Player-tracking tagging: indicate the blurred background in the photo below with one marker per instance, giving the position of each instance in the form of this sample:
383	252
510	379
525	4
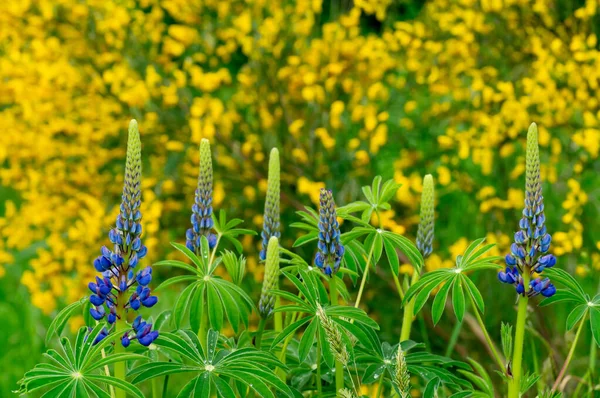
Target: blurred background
345	89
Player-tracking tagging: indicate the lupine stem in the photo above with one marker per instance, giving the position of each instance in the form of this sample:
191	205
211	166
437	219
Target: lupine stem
489	341
398	286
380	387
107	371
156	388
364	277
514	386
259	333
408	312
120	367
339	369
570	355
278	316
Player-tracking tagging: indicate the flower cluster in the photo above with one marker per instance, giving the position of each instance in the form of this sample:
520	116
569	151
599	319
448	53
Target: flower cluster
427	222
110	294
202	211
266	303
271	224
529	252
330	250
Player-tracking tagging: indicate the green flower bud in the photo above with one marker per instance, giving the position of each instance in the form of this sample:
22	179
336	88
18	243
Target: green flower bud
271	224
427	222
271	279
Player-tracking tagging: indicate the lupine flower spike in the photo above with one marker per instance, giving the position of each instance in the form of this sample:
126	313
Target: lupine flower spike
271	281
529	252
111	298
202	222
271	225
427	222
330	250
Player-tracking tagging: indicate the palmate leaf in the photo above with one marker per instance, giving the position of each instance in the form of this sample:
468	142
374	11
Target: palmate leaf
212	372
456	280
579	300
223	298
79	369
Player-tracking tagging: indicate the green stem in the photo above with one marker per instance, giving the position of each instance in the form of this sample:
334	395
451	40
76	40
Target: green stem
488	339
165	385
454	338
120	367
259	333
214	252
364	277
593	351
408	312
278	316
398	286
339	368
514	386
570	355
380	387
156	387
318	359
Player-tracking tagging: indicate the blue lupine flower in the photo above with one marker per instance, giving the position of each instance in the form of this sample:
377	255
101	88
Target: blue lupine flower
142	331
118	266
330	251
529	251
202	222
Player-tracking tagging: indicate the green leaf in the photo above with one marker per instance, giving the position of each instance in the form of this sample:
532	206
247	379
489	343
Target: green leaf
189	254
308	337
215	308
595	324
458	299
58	323
439	302
474	293
182	304
392	255
577	314
176	264
560	275
408	248
562	295
174	280
288	330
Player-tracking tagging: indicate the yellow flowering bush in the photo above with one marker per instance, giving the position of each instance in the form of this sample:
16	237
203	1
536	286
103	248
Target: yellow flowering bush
344	93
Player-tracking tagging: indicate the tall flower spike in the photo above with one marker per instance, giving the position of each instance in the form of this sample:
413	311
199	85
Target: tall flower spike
202	222
271	281
529	252
330	250
110	296
271	223
427	222
401	375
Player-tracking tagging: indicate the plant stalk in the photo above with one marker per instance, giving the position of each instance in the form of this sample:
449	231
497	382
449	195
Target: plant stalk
563	370
259	333
339	368
408	311
380	387
514	386
121	366
365	274
278	316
